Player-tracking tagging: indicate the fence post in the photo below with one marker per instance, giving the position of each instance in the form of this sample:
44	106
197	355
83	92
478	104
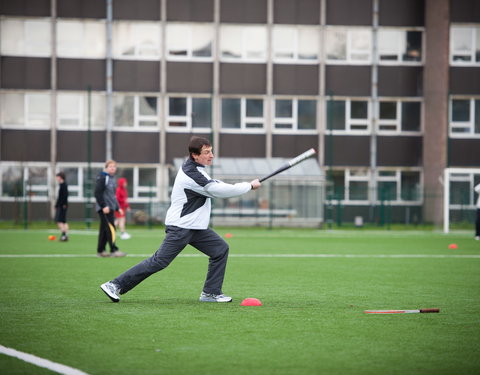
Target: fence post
150	225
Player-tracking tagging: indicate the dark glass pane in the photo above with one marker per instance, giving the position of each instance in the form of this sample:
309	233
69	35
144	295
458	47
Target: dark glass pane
336	114
307	114
358	109
460	110
201	113
231	113
177	106
411	117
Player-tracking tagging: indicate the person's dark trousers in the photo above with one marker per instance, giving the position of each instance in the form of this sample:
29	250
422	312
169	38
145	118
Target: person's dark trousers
106	232
207	241
477	224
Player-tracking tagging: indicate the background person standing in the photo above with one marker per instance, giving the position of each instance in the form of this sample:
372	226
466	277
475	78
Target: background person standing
106	205
61	206
121	215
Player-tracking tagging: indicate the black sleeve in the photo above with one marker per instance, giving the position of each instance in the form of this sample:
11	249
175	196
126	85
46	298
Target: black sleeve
99	189
63	195
62	199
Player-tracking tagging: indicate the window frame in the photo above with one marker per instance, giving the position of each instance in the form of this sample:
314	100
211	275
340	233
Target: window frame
187	118
86	39
25	170
27	96
245	41
137	46
398	121
295	49
191	33
349	177
294	119
399	52
25	39
349	121
244	119
475	34
82	112
349	50
470	125
137	116
467	177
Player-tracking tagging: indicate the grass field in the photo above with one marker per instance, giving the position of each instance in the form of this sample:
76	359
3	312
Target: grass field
314	285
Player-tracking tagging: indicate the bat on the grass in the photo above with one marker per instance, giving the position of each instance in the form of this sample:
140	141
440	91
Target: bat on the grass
291	163
423	311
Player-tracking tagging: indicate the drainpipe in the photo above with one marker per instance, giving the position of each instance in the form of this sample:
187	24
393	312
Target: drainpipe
374	112
109	70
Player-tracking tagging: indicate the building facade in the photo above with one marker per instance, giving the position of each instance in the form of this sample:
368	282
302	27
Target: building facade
387	91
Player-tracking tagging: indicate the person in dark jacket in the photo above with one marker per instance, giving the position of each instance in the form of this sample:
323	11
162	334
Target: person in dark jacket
61	206
106	205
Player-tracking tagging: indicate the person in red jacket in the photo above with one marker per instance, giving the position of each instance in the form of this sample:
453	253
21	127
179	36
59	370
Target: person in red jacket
122	198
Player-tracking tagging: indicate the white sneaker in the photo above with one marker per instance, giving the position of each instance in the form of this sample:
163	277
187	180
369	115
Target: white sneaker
111	290
205	297
477	238
125	236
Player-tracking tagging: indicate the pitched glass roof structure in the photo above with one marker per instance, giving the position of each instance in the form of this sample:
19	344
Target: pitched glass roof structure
250	168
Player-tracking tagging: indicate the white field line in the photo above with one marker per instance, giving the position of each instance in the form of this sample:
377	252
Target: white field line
41	362
472	256
337	233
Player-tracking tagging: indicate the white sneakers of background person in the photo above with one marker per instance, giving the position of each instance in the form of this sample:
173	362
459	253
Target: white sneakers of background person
125	236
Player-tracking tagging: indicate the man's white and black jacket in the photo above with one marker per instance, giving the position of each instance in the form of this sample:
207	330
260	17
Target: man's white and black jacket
191	196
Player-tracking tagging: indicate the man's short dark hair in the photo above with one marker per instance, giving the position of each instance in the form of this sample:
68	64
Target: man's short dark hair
196	144
61	175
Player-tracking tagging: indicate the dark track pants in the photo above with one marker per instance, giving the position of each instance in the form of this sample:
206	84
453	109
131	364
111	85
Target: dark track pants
176	239
106	232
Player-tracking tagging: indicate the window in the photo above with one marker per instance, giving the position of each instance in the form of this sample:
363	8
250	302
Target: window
399	45
410	188
189	113
461	190
295	114
348	45
465	117
337	186
393	185
135	111
81	39
357	184
465	45
136	40
25	109
12	181
398	185
397	116
295	44
245	43
350	185
142	182
25	37
73	110
189	41
348	115
242	114
30	181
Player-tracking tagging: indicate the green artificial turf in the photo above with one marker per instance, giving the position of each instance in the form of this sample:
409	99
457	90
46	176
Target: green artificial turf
314	285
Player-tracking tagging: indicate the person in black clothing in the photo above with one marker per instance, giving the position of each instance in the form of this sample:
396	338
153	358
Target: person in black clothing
106	205
61	206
